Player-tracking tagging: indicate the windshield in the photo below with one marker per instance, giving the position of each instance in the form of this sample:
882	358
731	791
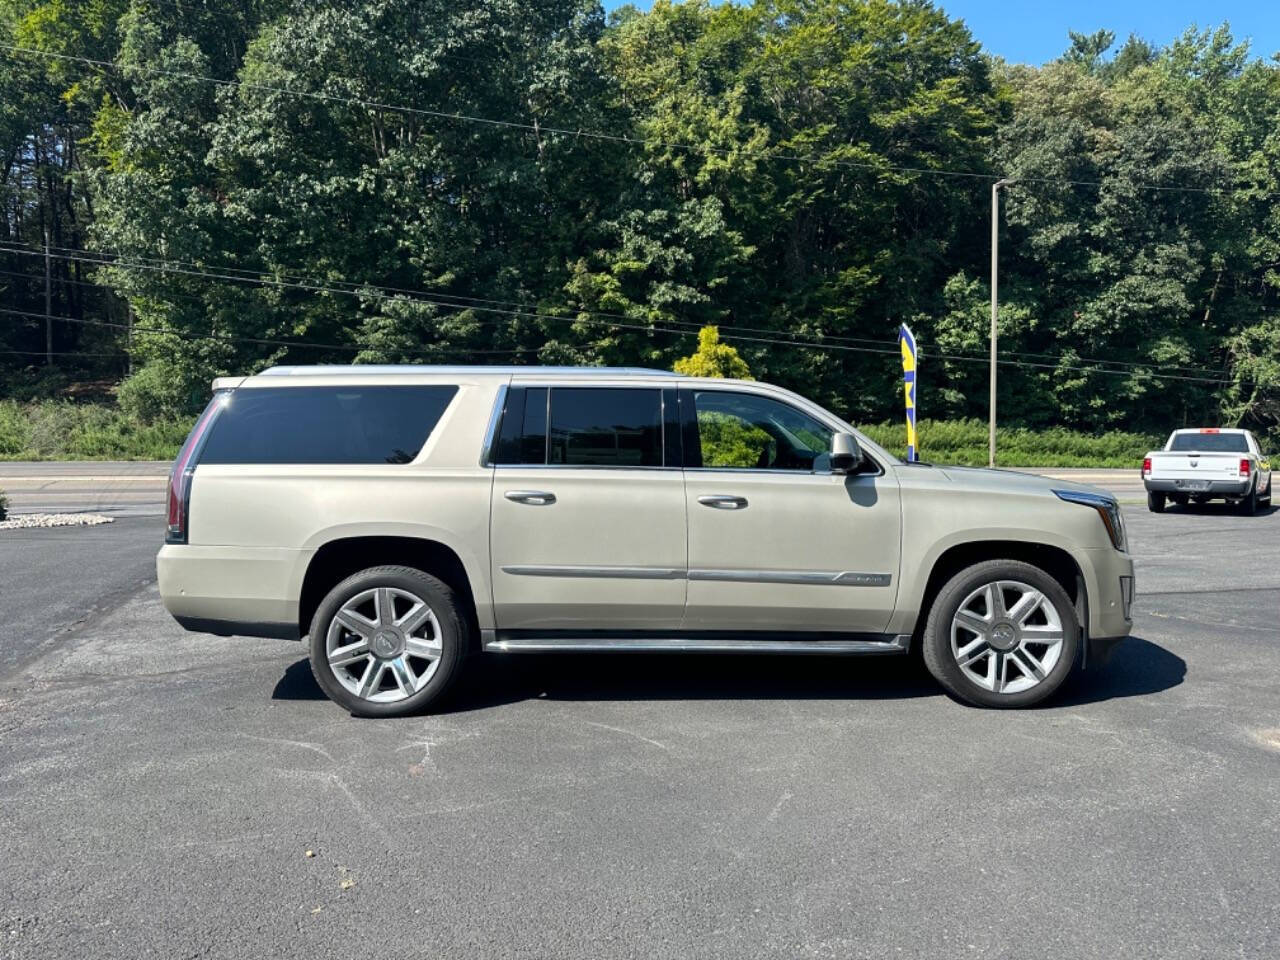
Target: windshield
1210	442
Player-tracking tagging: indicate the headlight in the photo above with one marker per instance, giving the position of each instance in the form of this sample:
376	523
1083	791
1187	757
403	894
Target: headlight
1107	509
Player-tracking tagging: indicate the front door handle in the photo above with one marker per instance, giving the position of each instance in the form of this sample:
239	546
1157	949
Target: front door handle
723	501
535	498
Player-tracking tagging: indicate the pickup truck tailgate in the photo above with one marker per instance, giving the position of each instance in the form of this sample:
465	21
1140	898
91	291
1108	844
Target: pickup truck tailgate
1195	466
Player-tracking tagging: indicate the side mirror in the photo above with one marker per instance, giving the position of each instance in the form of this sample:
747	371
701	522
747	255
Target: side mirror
846	455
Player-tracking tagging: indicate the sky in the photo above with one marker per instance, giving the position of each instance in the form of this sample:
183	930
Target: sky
1034	31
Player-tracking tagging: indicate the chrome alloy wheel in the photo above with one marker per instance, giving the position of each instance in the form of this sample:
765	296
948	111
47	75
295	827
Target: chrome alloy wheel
1006	636
384	644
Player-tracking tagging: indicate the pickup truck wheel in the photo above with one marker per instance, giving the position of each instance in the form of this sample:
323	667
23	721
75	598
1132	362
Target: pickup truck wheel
388	641
1249	503
1001	633
1155	502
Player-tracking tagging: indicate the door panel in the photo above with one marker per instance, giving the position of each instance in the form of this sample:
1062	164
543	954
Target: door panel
806	552
608	552
776	541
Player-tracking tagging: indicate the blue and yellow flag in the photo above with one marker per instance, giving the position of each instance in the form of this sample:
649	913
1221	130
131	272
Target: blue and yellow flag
908	343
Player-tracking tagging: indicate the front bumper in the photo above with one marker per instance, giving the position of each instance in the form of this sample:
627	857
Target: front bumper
1200	488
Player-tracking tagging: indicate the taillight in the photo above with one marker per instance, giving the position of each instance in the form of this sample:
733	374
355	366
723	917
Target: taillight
1146	466
1244	467
179	506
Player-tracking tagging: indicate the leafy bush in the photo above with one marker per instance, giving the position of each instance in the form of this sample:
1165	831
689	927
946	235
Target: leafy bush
61	430
160	390
964	442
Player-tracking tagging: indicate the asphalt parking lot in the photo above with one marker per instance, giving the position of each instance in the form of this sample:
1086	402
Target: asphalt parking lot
173	795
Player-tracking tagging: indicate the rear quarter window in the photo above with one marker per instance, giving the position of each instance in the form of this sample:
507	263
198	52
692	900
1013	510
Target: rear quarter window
338	425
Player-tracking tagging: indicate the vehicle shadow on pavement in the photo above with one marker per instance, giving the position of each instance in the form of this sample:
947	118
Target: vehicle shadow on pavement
1137	668
1214	509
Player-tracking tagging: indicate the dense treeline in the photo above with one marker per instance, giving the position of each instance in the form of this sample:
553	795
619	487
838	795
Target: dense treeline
527	181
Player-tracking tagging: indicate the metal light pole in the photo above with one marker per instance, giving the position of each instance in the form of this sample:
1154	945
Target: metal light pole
995	309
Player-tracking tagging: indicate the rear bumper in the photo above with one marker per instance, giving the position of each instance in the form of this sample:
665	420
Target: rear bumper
1201	488
245	591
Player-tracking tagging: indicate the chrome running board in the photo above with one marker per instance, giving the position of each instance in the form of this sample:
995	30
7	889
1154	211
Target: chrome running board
530	642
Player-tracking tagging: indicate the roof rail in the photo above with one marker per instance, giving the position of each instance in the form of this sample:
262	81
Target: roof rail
394	368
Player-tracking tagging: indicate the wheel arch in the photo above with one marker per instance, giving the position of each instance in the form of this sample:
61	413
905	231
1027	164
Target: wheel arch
339	558
1053	560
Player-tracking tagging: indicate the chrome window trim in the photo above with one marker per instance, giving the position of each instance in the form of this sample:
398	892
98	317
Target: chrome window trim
808	408
787	473
573	466
491	432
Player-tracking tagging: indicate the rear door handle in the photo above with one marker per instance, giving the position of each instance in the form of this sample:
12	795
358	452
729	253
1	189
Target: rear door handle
723	501
535	498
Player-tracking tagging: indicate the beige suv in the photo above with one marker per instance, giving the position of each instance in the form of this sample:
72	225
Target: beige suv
406	517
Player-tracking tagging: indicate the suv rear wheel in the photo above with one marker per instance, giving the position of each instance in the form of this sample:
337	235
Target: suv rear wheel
388	641
1001	633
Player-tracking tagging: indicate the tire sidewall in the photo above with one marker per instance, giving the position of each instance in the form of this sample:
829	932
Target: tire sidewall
937	637
453	634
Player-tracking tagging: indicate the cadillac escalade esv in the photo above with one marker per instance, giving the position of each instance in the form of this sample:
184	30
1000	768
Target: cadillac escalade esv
404	518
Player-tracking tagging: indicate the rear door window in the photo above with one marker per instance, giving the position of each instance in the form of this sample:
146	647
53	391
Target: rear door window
338	425
605	427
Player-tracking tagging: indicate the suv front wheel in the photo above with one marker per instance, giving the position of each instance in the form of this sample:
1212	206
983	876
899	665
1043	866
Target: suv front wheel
1001	633
388	641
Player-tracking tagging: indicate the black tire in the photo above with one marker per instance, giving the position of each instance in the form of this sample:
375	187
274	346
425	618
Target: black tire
1248	505
1155	502
936	644
455	638
1181	499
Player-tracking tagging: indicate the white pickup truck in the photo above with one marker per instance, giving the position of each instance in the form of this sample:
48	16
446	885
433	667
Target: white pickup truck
1208	463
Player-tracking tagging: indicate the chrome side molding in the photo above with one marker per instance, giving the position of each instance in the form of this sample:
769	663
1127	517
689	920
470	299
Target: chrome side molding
594	572
843	578
838	578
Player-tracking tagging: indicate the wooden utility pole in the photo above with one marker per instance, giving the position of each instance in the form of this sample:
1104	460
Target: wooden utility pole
48	301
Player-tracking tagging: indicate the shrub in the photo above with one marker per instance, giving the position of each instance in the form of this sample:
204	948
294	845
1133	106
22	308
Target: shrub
160	391
61	430
964	443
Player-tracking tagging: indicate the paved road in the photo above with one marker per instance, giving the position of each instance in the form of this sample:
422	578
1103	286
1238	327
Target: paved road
113	488
159	792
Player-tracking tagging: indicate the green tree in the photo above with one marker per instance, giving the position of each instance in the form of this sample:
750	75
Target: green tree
713	359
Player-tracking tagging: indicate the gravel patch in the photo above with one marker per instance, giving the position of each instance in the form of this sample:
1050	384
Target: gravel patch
28	520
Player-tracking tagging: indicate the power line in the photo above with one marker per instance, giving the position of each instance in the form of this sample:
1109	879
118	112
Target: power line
373	291
254	276
63	353
539	130
645	328
1008	360
227	338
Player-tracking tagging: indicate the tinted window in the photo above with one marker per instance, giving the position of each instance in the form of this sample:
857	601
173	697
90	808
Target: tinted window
1210	442
524	427
326	424
743	430
608	427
